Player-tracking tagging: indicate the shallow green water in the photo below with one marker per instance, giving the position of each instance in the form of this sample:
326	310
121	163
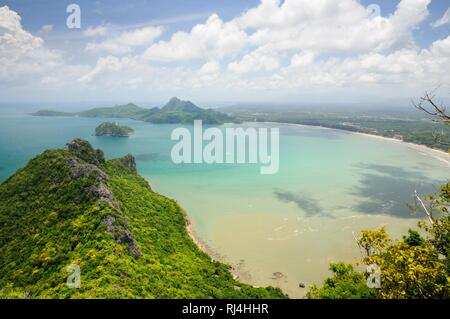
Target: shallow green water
329	185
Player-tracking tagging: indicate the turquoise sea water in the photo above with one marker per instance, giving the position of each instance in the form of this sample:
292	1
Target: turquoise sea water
330	185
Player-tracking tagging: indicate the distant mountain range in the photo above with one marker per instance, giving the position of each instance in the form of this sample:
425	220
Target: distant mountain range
175	111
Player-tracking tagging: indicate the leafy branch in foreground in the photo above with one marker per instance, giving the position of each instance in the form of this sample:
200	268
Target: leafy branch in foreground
413	267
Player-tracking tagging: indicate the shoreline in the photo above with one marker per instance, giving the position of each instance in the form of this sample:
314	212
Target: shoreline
435	153
238	275
244	276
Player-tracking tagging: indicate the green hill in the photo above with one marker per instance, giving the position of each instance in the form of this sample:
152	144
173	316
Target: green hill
112	129
70	206
175	111
178	111
129	110
51	113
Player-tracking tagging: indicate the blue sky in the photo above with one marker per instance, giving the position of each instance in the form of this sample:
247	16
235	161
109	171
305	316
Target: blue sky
224	50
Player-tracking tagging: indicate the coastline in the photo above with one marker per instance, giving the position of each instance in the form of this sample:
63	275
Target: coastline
435	153
438	154
238	274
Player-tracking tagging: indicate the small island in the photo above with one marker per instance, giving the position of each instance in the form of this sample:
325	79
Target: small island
113	129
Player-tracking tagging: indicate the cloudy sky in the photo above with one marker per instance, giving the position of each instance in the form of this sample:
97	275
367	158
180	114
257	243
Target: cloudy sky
224	50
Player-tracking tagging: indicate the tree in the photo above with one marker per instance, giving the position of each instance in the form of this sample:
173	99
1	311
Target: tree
412	267
346	283
427	103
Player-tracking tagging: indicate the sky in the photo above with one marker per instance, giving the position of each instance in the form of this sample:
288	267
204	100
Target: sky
224	50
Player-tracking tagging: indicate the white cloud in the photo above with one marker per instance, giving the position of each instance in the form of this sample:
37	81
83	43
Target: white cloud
209	71
125	42
263	58
214	39
283	47
302	59
47	28
408	68
445	19
100	30
22	55
27	63
329	26
109	63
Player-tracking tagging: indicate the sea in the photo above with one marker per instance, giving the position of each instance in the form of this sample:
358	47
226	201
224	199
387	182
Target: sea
281	230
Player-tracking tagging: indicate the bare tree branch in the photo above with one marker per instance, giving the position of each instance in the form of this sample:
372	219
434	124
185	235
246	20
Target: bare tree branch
426	211
428	105
361	250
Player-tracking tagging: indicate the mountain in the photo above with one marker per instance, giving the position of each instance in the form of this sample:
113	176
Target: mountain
72	207
175	111
130	110
51	113
178	111
113	129
177	105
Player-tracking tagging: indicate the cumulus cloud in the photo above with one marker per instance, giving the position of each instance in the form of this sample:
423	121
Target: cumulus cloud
109	63
324	26
214	39
125	42
302	59
100	30
22	55
406	67
282	46
444	20
263	58
209	71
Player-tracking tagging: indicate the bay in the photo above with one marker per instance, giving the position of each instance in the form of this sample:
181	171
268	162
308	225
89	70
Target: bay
279	229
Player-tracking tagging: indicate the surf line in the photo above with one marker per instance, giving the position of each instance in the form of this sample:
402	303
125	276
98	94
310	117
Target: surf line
237	146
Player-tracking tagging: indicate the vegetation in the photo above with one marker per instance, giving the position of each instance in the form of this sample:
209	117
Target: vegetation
51	113
413	267
113	129
175	111
70	206
346	283
403	126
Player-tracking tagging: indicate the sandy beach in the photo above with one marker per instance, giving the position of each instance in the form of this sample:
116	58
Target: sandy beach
437	154
238	274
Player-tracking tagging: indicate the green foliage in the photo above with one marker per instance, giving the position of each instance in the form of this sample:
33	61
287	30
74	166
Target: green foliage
373	241
69	206
409	128
129	110
346	283
411	272
113	129
413	268
413	238
51	113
